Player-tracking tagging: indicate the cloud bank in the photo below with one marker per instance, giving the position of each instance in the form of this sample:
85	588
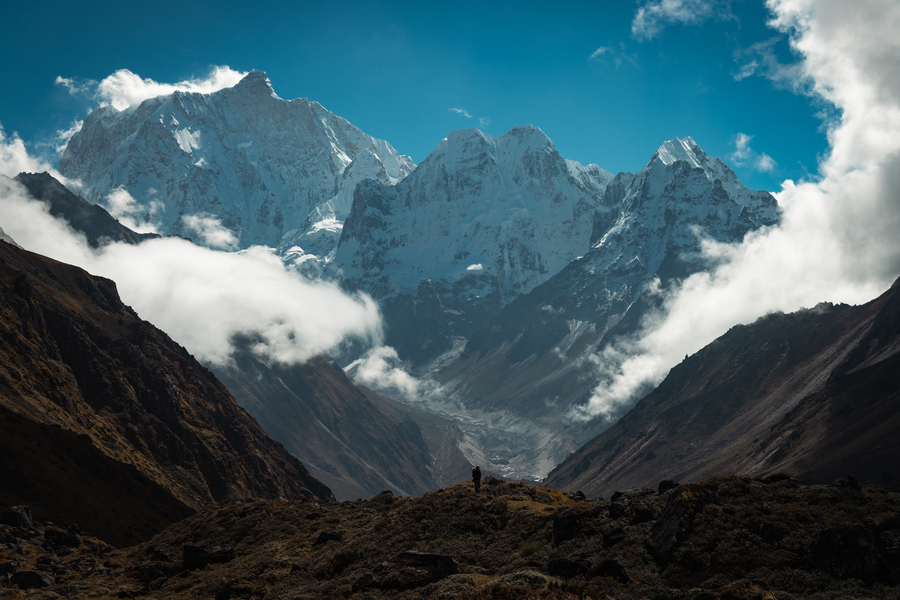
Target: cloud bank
838	240
201	297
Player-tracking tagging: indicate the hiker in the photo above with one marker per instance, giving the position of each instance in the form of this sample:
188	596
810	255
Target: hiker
476	478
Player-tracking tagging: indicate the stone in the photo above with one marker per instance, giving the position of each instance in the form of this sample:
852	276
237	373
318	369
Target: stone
665	485
17	516
847	551
676	522
566	568
612	569
617	510
848	482
571	521
640	513
195	557
408	570
328	536
889	541
27	579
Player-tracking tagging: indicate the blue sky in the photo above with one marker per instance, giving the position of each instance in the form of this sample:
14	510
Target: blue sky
396	69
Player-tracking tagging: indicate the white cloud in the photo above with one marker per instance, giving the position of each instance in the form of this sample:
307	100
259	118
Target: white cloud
483	122
744	156
764	163
461	111
653	16
201	297
138	217
599	52
15	159
124	88
838	240
211	231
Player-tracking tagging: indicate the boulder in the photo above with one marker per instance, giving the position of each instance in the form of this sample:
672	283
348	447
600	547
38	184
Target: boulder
889	542
328	536
612	569
571	522
848	482
640	512
17	516
27	579
567	568
665	485
195	557
676	522
409	570
847	551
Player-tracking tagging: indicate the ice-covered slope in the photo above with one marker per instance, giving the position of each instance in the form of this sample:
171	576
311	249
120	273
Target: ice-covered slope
264	166
483	215
539	355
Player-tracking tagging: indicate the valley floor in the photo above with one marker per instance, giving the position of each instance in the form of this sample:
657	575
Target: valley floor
727	537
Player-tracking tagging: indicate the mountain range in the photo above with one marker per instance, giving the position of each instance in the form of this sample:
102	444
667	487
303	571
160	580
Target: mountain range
502	271
500	267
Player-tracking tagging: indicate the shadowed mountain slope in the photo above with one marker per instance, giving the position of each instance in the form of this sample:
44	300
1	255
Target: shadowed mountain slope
74	356
815	393
91	219
356	442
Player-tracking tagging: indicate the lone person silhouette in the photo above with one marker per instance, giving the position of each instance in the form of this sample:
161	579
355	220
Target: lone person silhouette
476	478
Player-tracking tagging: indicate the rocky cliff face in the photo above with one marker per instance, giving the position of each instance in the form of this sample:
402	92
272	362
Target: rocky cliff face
266	167
815	393
75	357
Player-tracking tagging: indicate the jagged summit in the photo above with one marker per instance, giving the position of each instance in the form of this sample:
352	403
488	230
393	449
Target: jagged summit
267	168
676	149
503	214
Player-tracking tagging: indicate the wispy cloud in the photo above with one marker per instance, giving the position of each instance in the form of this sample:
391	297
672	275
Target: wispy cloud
654	16
211	231
618	55
483	122
132	214
838	237
745	156
461	111
124	88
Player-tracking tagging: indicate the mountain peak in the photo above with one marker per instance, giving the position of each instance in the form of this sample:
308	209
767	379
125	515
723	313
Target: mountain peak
256	81
676	149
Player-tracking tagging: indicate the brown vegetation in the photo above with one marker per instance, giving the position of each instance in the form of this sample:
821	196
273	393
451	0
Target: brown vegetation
735	538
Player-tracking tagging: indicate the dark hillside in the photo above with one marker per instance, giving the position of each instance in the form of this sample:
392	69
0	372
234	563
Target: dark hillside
725	538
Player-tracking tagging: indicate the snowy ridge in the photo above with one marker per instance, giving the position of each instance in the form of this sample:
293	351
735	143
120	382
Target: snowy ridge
680	196
484	215
264	166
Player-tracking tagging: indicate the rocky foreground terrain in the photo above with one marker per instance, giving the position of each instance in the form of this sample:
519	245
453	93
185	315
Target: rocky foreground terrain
727	537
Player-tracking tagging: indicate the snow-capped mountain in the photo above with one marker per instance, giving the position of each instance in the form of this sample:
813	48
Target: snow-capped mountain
272	171
480	221
667	208
482	215
537	357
